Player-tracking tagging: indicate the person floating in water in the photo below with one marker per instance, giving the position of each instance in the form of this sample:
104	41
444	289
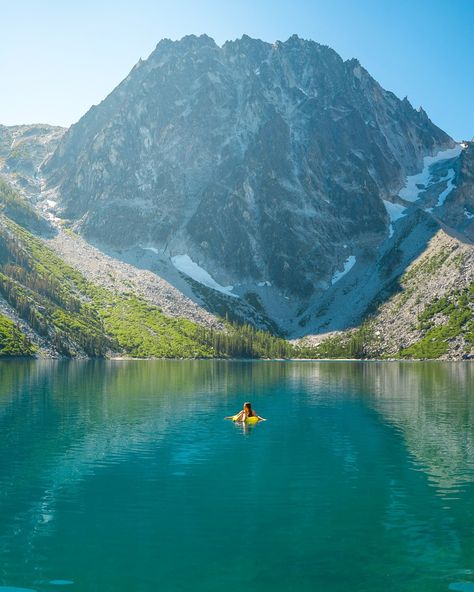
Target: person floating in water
246	415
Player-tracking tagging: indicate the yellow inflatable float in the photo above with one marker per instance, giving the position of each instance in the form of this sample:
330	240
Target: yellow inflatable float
248	420
251	416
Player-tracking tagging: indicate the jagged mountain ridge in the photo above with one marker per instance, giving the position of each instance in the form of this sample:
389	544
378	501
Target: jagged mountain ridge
407	273
265	164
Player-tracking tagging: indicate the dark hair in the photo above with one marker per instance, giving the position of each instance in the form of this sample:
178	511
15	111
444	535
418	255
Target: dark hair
249	406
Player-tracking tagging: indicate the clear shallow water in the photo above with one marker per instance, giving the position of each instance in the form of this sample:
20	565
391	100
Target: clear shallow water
120	476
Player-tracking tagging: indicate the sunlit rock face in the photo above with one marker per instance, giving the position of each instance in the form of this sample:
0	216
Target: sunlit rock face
22	150
262	162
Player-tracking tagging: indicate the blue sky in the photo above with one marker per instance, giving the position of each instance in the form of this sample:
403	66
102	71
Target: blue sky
58	57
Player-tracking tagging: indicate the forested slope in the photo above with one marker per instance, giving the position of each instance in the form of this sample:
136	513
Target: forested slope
75	317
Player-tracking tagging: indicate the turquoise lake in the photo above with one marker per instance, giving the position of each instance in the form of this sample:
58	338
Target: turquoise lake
124	476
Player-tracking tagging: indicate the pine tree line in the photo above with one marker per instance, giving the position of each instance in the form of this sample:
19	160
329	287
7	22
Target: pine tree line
244	341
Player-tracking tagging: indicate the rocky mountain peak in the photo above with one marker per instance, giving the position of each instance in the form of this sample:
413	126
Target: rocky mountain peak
264	165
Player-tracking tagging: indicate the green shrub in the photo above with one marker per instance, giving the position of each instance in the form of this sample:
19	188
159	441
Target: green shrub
12	341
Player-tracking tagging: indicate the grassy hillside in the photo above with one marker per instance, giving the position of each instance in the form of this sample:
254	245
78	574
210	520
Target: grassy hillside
75	316
78	318
12	341
444	321
429	313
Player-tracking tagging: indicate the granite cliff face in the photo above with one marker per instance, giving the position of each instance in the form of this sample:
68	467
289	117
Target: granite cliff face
263	164
23	148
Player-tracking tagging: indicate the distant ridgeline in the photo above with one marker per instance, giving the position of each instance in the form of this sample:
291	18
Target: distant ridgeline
277	187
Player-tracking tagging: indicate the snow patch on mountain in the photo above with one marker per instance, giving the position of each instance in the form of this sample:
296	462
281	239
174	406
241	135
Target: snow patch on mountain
186	265
48	207
152	249
395	212
444	194
415	185
469	215
449	178
348	265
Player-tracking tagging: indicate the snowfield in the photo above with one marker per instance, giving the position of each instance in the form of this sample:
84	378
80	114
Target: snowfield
348	265
449	178
152	249
412	191
444	194
186	265
469	215
395	212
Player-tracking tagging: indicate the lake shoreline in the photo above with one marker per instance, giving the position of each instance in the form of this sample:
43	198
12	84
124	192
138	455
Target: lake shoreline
150	359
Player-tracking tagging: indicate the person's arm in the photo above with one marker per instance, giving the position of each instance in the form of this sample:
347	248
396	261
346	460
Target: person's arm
261	418
235	417
241	416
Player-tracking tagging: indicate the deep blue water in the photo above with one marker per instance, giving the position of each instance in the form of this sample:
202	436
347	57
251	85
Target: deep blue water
124	476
